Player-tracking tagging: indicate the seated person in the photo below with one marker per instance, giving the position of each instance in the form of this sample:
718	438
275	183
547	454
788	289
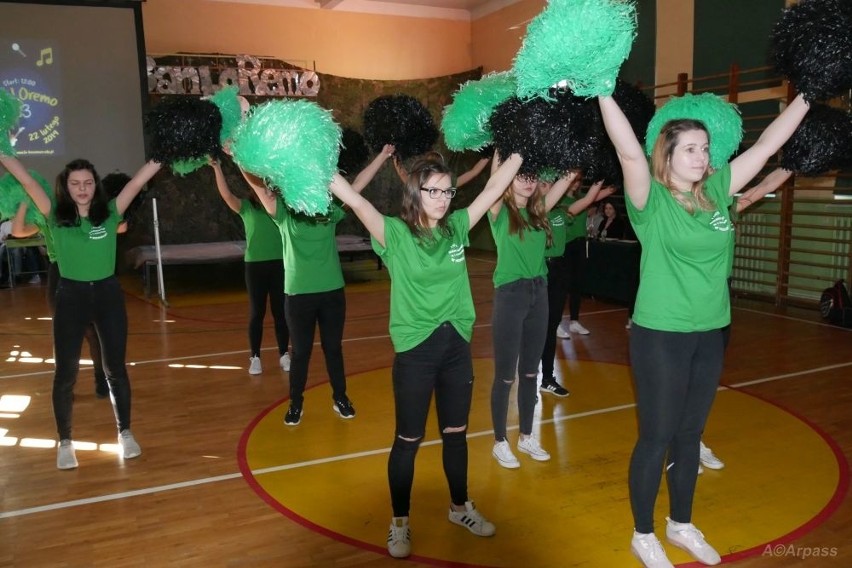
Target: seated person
613	225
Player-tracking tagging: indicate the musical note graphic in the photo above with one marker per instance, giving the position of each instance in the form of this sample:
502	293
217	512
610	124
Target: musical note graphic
17	47
46	57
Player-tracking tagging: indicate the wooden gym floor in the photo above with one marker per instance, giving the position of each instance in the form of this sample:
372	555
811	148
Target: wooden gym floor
222	482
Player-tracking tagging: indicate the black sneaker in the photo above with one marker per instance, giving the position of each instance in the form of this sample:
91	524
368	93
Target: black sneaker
293	416
344	408
554	388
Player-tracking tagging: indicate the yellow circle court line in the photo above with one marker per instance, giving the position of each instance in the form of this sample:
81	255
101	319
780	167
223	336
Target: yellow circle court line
782	475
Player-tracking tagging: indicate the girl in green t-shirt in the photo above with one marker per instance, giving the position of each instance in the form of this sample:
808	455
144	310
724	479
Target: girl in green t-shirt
84	224
313	284
680	214
563	219
264	271
431	323
521	231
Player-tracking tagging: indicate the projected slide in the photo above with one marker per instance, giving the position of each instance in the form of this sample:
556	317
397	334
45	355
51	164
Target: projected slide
30	70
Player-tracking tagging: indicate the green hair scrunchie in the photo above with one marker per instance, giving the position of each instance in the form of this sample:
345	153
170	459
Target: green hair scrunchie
10	113
12	194
293	145
579	42
465	123
721	118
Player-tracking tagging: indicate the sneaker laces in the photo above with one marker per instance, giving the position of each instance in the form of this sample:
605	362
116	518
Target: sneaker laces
653	545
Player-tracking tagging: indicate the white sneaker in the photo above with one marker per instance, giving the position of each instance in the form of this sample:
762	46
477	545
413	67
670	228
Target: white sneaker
65	455
629	323
472	520
690	539
285	362
577	327
504	456
649	551
532	448
562	332
255	368
399	538
129	447
709	459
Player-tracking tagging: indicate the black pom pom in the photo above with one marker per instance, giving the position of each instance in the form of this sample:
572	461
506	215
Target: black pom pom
354	152
486	151
558	134
639	110
812	47
822	142
400	120
184	128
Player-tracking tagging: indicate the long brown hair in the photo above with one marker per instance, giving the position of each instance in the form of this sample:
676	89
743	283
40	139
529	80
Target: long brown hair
536	212
66	213
661	164
412	213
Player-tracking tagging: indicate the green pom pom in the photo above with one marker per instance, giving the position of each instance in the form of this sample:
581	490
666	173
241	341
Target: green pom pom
293	145
548	175
229	107
465	123
184	167
721	118
581	43
12	194
10	113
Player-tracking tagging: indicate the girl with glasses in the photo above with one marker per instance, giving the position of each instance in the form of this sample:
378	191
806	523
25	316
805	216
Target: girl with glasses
431	323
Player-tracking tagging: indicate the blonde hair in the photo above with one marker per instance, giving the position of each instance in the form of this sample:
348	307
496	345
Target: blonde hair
661	165
535	211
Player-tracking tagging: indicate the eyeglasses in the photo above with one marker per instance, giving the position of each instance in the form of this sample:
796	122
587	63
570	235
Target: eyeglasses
435	192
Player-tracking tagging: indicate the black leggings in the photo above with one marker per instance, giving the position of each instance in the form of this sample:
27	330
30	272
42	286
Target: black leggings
441	364
676	376
266	279
575	259
304	312
91	334
79	304
557	288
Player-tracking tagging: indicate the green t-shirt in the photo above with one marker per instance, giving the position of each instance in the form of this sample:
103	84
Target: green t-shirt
311	262
429	281
86	253
263	239
577	229
516	258
559	221
685	259
44	229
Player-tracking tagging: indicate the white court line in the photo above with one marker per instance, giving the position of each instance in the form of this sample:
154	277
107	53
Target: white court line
344	457
791	318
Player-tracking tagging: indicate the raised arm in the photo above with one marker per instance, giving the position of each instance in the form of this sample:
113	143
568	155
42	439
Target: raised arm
135	185
31	186
770	183
400	170
368	173
596	193
634	165
558	189
472	172
20	228
500	179
364	210
266	197
231	200
748	164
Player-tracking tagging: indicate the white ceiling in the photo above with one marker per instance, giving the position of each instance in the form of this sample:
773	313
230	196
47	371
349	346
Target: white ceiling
443	9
